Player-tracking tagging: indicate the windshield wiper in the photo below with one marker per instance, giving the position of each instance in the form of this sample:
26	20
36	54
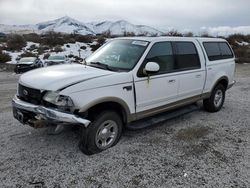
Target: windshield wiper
102	65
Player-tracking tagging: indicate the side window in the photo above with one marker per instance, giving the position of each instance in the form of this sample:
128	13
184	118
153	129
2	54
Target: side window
187	57
217	50
213	50
225	50
161	53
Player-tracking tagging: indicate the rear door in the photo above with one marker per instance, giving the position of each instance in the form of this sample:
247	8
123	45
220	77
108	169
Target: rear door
190	65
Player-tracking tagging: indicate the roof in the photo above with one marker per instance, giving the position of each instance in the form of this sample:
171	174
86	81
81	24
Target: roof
167	38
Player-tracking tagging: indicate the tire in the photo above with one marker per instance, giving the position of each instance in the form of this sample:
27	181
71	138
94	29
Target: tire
103	132
215	102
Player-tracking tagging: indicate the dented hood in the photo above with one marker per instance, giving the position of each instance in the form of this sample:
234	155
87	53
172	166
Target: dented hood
60	76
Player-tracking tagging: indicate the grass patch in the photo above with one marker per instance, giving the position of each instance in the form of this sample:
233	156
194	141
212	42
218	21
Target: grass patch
193	133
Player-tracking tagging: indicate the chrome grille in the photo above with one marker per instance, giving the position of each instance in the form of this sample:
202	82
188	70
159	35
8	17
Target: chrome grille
30	95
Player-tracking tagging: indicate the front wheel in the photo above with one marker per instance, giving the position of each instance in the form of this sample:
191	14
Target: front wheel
103	133
215	102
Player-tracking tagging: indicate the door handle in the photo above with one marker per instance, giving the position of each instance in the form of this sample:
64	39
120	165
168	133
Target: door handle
128	88
198	76
171	81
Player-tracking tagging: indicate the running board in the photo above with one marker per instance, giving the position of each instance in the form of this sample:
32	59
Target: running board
159	118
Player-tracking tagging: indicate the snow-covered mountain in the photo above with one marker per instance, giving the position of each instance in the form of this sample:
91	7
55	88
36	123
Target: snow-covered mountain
121	26
64	25
70	25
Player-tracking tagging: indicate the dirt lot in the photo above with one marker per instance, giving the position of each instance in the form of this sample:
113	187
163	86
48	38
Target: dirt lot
195	150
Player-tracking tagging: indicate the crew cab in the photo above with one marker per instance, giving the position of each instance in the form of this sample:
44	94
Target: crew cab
125	81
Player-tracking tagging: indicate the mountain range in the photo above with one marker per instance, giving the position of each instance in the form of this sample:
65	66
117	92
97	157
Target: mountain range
69	25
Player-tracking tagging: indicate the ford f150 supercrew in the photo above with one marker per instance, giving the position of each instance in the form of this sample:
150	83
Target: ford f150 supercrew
126	80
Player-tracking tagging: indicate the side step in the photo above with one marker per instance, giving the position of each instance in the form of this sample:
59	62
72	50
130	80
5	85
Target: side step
159	118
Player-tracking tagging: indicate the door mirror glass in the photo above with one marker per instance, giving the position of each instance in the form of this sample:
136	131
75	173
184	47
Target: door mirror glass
151	67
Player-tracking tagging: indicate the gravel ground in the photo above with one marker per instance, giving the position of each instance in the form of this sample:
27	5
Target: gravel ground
198	149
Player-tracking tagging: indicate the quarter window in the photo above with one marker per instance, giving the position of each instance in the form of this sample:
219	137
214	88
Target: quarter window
187	57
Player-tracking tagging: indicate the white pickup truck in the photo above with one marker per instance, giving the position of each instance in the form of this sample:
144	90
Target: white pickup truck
126	80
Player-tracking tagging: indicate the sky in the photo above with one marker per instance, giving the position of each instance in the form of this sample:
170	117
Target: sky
183	15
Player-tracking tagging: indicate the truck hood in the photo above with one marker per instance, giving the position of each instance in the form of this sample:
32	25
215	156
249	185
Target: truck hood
60	76
55	60
25	63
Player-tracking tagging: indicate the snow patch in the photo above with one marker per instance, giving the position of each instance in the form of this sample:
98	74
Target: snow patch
243	43
68	49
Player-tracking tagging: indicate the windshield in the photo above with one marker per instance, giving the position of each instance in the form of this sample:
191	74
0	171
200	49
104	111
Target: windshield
27	59
56	58
119	54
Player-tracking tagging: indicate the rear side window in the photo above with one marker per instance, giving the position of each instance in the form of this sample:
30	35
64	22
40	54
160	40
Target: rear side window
217	50
187	57
225	50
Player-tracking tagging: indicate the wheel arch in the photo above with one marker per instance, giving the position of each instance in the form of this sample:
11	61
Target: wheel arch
222	80
109	103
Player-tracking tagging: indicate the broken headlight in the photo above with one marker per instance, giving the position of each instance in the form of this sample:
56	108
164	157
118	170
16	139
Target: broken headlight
57	99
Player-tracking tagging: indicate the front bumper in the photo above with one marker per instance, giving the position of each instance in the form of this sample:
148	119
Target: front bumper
20	108
20	68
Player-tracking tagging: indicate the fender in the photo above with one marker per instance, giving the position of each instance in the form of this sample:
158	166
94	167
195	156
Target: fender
119	101
218	80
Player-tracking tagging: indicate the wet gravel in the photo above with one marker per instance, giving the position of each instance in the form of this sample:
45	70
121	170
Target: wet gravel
198	149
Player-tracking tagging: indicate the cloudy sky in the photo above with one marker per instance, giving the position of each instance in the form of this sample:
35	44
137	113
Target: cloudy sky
178	14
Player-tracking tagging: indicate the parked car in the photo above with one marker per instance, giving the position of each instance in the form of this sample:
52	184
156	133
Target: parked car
128	80
56	60
27	63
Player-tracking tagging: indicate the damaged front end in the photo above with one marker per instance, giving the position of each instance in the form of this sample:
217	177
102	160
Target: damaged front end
37	115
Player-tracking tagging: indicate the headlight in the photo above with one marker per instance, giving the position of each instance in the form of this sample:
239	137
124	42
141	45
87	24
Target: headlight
57	99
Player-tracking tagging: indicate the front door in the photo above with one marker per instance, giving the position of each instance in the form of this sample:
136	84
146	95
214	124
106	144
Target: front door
161	88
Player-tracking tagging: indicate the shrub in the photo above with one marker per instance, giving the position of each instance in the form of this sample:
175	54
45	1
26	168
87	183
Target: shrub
94	47
32	47
27	54
239	38
188	34
32	37
85	39
15	42
57	49
52	39
128	34
46	56
69	38
42	49
242	54
173	33
107	34
83	47
4	57
101	40
205	34
70	56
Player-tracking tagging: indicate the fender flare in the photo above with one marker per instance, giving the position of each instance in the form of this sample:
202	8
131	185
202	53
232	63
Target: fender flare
117	100
219	80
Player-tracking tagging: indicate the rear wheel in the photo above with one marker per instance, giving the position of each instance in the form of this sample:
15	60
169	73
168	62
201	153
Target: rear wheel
215	102
103	133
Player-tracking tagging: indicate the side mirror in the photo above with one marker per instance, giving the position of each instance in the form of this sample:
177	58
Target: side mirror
151	67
